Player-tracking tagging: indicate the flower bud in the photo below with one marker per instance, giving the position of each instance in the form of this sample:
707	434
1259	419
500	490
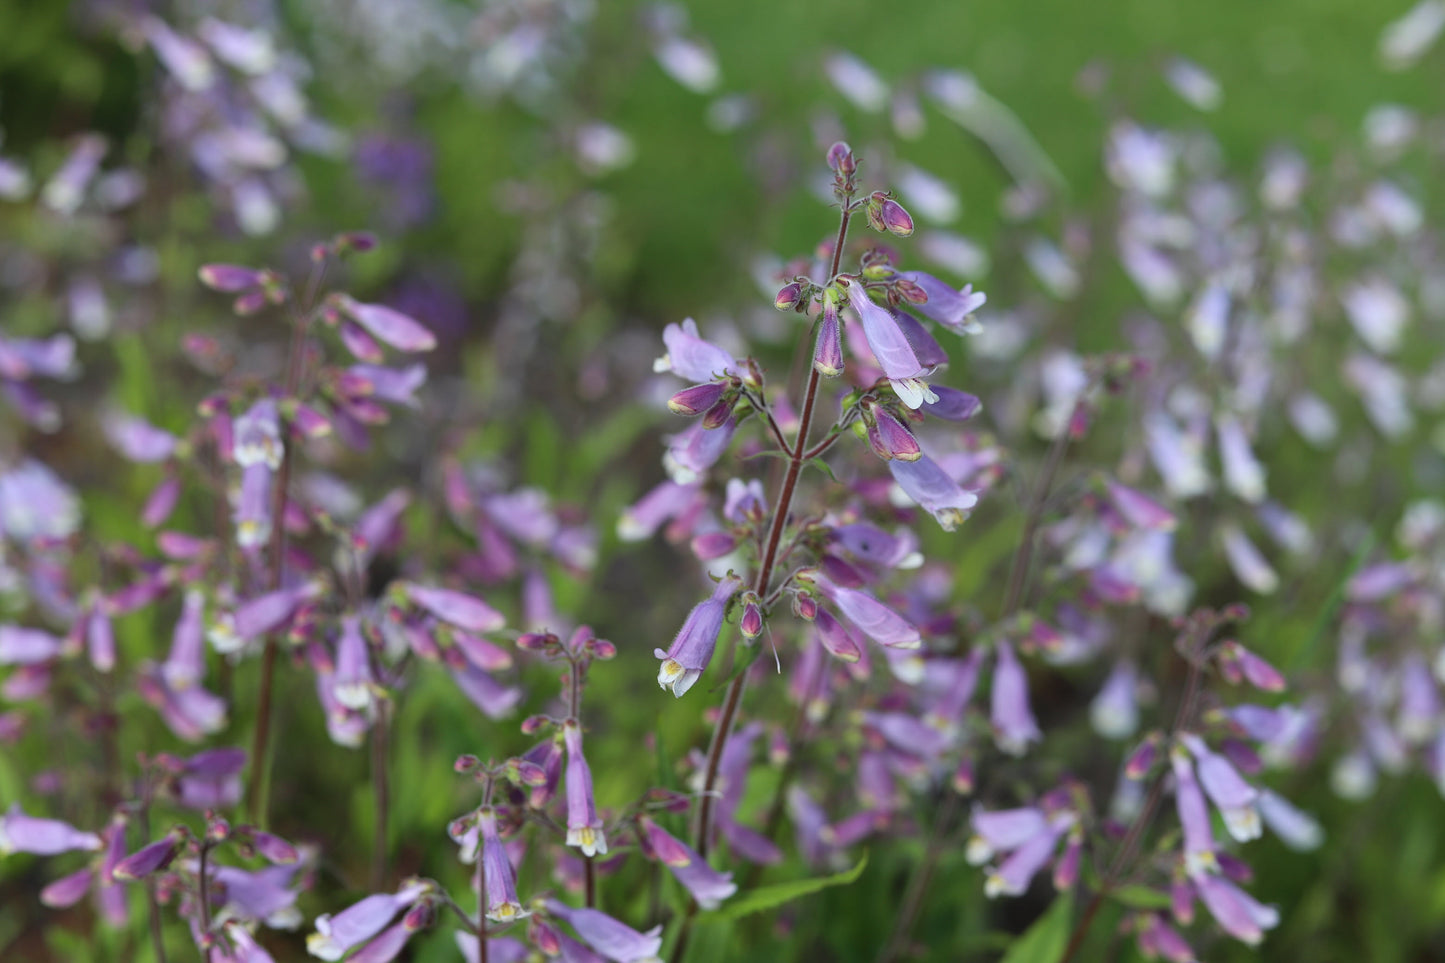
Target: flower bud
717	415
604	650
229	278
529	773
1142	759
420	916
841	160
466	763
148	859
910	292
533	724
273	848
805	607
696	400
537	641
896	220
789	296
828	352
751	624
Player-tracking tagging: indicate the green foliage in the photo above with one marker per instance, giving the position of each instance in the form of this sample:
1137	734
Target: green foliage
1045	940
777	894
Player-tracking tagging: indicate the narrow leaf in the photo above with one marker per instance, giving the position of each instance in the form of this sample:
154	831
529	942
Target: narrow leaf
768	897
1044	942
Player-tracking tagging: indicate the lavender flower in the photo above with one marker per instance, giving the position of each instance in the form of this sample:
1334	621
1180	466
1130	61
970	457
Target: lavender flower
336	935
616	941
502	903
687	658
584	826
20	833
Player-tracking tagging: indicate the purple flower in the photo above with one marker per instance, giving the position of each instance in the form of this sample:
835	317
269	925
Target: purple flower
353	679
1114	712
894	352
137	439
1030	838
691	452
614	940
68	890
34	503
1199	845
1296	828
267	895
690	357
457	608
932	488
1003	830
951	308
230	278
502	903
669	501
707	885
335	935
889	439
584	826
502	949
952	404
1239	914
691	650
185	666
26	646
1010	716
253	507
256	436
211	779
20	833
1232	796
828	351
390	326
876	620
149	858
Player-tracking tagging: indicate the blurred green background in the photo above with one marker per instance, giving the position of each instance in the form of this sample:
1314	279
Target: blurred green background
687	217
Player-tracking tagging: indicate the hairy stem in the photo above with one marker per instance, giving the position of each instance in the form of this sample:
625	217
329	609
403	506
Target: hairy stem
765	575
205	900
381	793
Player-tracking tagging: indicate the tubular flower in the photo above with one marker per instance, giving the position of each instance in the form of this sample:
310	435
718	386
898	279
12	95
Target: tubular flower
584	826
502	903
691	651
895	354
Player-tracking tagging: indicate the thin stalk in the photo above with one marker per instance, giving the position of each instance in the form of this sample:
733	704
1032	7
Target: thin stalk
765	573
1124	857
912	903
381	793
790	765
797	455
259	788
158	942
205	904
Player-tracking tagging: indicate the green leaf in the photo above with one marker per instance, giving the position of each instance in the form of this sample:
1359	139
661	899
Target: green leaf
822	466
768	897
1141	897
1044	942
